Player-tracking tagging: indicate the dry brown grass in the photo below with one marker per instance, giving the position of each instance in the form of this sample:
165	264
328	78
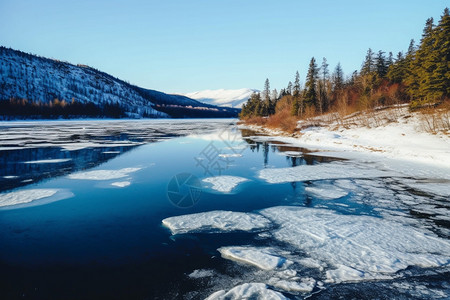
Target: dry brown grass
436	119
282	120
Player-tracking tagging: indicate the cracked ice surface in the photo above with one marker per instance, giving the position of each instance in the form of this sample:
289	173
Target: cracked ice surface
326	191
263	258
224	183
213	221
258	291
321	172
360	247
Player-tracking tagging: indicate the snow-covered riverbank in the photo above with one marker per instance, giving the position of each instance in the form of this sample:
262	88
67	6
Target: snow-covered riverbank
406	139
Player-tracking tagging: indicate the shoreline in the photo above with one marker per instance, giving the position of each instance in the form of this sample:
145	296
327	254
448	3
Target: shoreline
403	140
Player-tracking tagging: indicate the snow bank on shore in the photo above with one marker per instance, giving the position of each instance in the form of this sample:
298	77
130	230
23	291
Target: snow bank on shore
404	139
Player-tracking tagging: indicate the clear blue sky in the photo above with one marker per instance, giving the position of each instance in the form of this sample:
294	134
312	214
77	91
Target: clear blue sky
180	46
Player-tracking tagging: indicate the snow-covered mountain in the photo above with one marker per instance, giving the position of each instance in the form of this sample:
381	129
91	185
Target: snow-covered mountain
229	98
33	86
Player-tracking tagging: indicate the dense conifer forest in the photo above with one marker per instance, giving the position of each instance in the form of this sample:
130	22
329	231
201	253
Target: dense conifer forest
419	77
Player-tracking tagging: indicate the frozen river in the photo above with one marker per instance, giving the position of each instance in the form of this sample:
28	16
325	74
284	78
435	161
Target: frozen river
195	209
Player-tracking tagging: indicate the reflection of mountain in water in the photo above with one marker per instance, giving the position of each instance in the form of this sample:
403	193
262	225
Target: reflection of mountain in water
20	170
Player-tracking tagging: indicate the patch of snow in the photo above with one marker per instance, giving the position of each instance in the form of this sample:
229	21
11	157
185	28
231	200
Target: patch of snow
359	247
258	291
104	174
121	183
263	258
213	221
224	183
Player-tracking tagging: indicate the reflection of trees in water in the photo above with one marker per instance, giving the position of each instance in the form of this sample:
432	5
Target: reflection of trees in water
12	163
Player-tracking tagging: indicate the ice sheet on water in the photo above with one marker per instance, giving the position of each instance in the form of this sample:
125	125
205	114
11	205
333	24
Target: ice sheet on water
121	184
104	174
325	191
258	291
263	258
321	172
201	273
224	183
24	197
48	161
359	247
304	285
228	155
441	188
214	221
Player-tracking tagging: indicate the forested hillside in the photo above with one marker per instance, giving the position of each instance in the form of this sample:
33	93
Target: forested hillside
420	77
37	87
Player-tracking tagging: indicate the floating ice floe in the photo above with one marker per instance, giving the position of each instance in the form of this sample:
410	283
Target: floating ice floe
326	191
228	155
304	285
121	183
104	174
24	197
321	172
258	291
224	183
48	161
213	221
358	247
291	153
201	274
263	258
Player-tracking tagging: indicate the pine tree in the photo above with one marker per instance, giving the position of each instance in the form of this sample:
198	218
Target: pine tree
267	107
289	88
443	53
297	103
323	90
369	63
381	66
338	78
311	84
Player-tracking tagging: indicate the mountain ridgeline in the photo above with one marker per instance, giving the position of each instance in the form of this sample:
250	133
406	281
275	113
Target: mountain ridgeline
34	87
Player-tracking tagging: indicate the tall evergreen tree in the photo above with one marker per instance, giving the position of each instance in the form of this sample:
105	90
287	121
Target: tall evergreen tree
338	78
324	86
368	64
297	103
289	88
381	65
311	84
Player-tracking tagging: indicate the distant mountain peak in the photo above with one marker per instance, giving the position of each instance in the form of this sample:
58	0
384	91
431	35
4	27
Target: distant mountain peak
222	97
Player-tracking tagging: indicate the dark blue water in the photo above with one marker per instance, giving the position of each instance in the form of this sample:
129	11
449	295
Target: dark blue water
108	241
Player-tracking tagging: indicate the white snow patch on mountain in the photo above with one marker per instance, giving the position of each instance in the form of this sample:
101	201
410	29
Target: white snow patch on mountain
222	97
